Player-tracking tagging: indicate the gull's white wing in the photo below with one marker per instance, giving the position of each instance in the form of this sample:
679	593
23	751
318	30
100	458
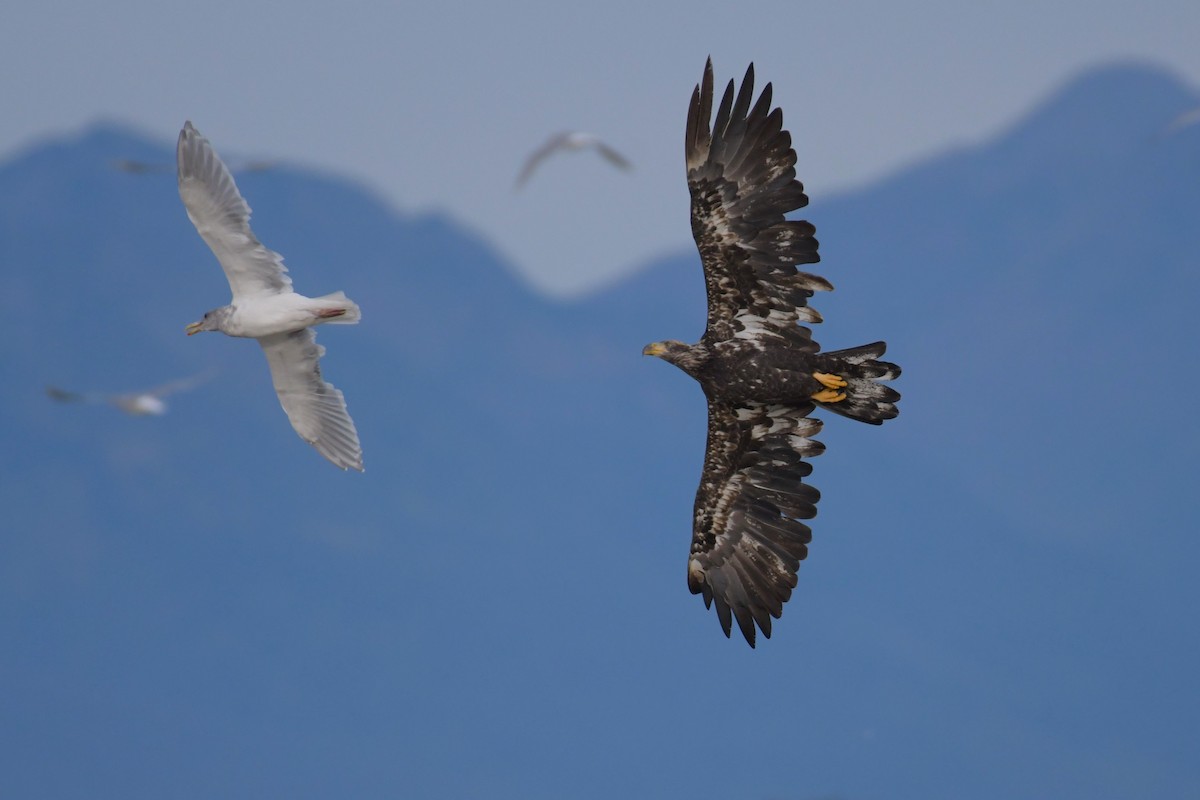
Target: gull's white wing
555	142
222	218
63	396
181	385
135	167
317	409
614	158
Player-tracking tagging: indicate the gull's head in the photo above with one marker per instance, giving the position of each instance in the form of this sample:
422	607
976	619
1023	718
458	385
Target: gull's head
687	357
210	322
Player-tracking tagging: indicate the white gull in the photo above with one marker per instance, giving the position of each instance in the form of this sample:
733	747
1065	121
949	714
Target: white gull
264	307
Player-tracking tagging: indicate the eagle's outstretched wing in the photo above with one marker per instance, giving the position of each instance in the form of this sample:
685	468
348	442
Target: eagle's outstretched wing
742	179
748	540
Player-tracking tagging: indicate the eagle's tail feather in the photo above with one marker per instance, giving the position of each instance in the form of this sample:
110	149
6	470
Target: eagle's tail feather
867	400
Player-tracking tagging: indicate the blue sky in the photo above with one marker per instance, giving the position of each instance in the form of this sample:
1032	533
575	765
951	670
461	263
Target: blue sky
996	604
436	106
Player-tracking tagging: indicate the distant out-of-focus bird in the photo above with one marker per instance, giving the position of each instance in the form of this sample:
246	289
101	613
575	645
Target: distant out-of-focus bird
570	141
264	306
135	167
137	404
1185	120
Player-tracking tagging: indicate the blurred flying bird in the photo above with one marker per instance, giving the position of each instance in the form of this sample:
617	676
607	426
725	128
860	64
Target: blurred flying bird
264	307
570	141
758	366
134	167
138	404
1184	120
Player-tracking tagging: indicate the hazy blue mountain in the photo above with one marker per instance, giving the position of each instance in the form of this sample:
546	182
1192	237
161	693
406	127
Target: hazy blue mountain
998	601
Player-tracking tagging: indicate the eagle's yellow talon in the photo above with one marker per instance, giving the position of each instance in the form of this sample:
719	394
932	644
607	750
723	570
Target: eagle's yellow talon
829	396
830	381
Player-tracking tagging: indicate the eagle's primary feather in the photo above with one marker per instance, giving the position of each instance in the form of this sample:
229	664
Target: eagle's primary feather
757	363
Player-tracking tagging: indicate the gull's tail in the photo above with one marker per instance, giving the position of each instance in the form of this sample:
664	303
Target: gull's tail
340	302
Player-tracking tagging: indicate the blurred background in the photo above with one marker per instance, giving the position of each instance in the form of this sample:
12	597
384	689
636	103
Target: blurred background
998	599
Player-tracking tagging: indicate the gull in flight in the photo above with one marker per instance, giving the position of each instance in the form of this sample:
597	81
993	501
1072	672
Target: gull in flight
569	141
264	307
137	404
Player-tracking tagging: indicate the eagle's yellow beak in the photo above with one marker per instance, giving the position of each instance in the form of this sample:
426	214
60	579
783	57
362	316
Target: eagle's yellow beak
192	328
656	349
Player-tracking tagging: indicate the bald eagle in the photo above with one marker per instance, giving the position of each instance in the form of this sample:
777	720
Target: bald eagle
758	365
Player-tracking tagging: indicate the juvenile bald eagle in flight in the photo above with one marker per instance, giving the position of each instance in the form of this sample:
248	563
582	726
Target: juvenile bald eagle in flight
758	366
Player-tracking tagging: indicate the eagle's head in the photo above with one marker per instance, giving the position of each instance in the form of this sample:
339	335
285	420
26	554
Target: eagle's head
688	357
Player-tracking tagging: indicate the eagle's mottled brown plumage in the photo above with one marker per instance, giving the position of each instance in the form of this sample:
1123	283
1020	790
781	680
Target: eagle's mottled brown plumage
756	362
